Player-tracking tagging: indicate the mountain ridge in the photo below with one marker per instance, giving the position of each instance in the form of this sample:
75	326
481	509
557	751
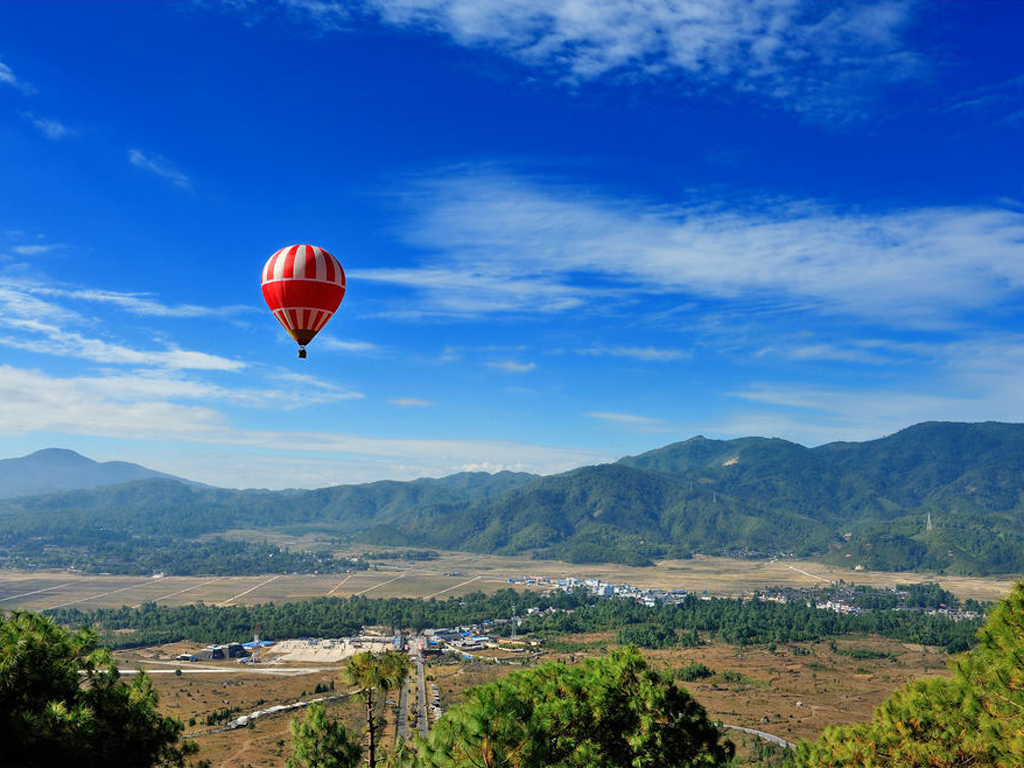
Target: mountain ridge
59	469
847	503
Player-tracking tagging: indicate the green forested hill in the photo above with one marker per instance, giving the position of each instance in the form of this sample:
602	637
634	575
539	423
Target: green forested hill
851	503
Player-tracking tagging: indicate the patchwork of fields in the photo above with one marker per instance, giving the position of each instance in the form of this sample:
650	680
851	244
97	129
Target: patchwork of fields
39	590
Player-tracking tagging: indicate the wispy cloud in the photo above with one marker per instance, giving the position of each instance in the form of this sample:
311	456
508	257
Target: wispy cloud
450	355
142	385
465	291
625	418
874	352
410	402
630	421
142	304
961	380
36	324
54	341
7	75
809	57
646	354
340	345
33	401
159	165
1003	97
510	366
921	267
314	390
35	250
51	129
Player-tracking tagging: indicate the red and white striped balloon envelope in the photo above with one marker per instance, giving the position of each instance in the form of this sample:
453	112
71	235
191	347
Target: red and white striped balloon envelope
303	286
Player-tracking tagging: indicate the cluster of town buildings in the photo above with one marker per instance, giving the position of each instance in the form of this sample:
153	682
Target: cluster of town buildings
648	596
845	598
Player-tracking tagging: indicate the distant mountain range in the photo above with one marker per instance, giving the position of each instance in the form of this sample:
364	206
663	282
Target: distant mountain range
940	496
57	469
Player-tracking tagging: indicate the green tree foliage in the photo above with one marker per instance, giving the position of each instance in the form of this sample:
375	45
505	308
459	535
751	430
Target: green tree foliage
604	713
652	636
739	622
975	719
319	742
376	674
62	702
102	550
694	671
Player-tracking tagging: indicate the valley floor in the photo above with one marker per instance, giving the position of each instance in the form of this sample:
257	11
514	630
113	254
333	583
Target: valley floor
453	574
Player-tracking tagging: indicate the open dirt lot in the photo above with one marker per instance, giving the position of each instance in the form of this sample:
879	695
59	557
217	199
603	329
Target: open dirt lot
317	651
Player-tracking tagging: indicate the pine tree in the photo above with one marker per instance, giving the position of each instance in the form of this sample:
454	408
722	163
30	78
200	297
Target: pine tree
62	702
318	742
376	673
604	713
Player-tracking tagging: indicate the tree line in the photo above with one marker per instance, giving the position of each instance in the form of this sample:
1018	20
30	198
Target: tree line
735	621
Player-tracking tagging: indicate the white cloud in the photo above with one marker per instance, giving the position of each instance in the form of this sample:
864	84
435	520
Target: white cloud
503	244
328	16
70	344
450	355
875	352
510	366
973	380
356	347
465	291
1004	96
625	418
410	402
630	421
141	304
35	250
7	75
31	401
647	354
145	386
810	57
160	166
212	450
51	129
314	390
20	313
909	407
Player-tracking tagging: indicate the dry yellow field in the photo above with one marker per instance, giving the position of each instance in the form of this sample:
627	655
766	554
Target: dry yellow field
39	590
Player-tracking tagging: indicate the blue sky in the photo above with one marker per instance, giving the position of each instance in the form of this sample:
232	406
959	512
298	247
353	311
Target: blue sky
572	230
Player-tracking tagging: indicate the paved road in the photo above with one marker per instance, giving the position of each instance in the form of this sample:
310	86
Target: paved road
421	709
402	712
766	736
185	670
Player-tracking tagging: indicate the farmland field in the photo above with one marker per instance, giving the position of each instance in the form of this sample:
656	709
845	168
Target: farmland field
39	590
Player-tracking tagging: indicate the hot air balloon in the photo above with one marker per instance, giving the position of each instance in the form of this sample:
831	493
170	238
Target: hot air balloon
303	286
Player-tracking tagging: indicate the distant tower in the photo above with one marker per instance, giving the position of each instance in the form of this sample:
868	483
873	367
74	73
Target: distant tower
256	644
515	621
928	525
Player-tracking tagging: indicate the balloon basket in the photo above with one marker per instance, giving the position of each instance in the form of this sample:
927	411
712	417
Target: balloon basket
302	353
